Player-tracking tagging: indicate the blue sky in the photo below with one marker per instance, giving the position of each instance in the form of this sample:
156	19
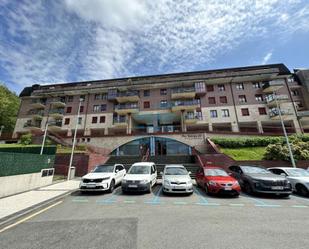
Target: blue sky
52	41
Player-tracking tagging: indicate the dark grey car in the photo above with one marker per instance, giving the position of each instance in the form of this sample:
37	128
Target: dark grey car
255	179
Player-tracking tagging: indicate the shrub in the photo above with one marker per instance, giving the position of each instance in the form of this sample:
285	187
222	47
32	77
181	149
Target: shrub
246	142
26	139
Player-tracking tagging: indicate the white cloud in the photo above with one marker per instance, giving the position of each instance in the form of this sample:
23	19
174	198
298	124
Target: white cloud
58	41
266	58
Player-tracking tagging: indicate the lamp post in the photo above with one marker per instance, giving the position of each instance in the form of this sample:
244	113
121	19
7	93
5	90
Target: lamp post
284	131
74	140
44	137
1	129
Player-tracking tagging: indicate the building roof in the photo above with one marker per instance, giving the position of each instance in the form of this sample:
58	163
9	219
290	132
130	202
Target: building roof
282	70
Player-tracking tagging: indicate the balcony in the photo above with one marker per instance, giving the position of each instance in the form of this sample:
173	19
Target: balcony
55	126
192	118
120	121
58	102
274	114
123	109
303	114
56	113
272	86
128	96
272	99
38	104
183	93
35	126
185	105
36	114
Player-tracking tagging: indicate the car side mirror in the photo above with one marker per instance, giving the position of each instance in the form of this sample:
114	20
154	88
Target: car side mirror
189	172
117	170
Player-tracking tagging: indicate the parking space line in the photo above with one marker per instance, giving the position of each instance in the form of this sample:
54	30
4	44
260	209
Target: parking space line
203	200
80	200
236	204
258	202
180	203
112	198
129	201
156	198
299	206
296	197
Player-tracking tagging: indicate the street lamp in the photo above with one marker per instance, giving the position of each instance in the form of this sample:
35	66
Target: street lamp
74	139
1	128
284	131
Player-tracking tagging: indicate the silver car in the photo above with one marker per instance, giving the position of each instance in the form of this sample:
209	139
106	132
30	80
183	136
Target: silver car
176	179
299	178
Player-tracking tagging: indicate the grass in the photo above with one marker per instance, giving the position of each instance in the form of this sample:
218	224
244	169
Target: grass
246	153
67	150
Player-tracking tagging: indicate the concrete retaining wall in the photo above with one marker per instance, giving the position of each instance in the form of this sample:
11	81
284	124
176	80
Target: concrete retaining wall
10	185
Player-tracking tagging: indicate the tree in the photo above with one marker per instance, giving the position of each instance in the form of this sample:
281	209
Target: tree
9	105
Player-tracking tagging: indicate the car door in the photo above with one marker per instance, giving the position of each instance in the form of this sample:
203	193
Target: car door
119	173
153	175
237	173
199	176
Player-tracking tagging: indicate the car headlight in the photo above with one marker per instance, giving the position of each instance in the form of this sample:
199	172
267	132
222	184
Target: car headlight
166	182
144	181
212	183
189	182
105	178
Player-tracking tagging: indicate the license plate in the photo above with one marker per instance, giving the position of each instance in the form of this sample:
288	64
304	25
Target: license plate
132	186
227	188
277	187
91	186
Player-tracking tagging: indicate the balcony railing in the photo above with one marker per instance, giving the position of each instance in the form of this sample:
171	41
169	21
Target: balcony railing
56	113
122	109
38	103
128	96
274	113
180	105
271	99
303	114
183	92
120	121
273	85
58	102
36	125
54	125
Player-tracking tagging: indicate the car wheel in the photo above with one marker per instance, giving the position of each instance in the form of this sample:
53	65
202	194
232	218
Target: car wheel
248	188
302	190
149	189
206	189
111	186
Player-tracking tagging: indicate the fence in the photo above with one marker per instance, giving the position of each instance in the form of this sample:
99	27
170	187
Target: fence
24	163
48	150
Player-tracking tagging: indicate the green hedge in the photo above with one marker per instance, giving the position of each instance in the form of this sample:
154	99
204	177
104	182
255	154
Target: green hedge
33	149
24	163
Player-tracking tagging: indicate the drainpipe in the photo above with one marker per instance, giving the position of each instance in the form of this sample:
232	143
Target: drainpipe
230	83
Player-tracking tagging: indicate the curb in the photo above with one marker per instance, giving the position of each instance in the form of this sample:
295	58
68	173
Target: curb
7	220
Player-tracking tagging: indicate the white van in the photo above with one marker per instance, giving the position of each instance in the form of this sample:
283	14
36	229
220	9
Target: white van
141	176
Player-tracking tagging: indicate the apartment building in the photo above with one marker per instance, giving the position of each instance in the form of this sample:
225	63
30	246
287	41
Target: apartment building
244	100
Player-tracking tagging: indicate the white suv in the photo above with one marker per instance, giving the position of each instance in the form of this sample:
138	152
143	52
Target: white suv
141	177
102	178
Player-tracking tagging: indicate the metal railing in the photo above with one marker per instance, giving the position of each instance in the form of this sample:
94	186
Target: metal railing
303	114
185	102
275	112
183	89
32	124
57	111
117	120
126	106
128	93
272	97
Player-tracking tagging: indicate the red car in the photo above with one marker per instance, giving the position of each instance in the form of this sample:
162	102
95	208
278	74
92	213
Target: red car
216	180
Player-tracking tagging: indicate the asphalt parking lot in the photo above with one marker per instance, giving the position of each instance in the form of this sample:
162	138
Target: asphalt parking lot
95	220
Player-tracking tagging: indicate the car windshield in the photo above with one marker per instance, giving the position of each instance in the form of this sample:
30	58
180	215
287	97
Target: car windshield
139	170
104	169
176	171
254	170
215	172
297	172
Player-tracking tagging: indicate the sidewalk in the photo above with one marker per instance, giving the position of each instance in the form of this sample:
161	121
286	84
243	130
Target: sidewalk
17	203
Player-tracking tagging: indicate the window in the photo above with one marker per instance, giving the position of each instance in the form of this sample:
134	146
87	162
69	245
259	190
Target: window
70	98
245	111
256	85
259	97
240	86
223	99
67	121
80	120
82	98
210	88
212	100
94	120
163	91
221	88
242	98
81	109
102	119
69	109
103	108
146	93
295	92
97	96
163	103
262	110
88	139
213	114
96	108
225	113
290	79
104	96
146	104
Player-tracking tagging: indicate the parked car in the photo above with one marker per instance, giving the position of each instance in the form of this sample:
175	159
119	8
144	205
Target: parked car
299	178
215	180
103	178
176	179
141	176
255	179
